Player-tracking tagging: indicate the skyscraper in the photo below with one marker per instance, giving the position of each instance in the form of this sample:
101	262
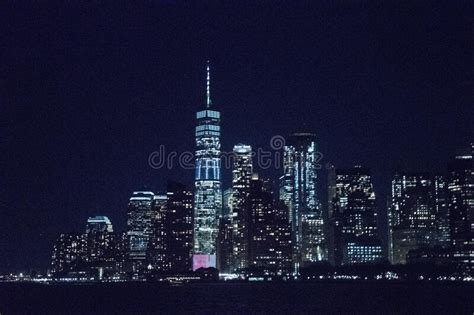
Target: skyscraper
225	250
269	232
461	208
418	215
241	175
298	191
157	251
354	237
208	191
69	253
100	240
179	227
140	225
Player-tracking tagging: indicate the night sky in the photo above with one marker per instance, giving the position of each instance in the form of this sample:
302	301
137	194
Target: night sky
88	91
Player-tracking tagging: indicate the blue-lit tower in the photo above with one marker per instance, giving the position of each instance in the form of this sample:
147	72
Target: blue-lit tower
208	191
298	192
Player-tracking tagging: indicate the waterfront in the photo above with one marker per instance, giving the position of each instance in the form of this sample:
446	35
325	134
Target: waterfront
202	298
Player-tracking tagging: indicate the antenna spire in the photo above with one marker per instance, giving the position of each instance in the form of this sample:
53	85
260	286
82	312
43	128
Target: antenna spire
208	86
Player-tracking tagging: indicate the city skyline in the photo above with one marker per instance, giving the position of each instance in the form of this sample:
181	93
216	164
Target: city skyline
83	122
251	228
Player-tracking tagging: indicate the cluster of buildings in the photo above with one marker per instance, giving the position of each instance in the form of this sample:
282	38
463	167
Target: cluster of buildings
248	230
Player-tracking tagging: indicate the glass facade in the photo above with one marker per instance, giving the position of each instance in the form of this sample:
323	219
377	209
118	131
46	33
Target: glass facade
353	217
461	208
298	191
100	239
270	245
69	253
208	191
140	224
418	214
179	227
241	176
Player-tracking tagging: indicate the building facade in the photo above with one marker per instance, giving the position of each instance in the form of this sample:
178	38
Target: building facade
69	253
354	235
270	247
298	191
179	227
140	228
241	176
418	214
100	240
461	209
157	251
208	190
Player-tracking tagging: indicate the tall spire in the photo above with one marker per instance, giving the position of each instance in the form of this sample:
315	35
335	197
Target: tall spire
208	86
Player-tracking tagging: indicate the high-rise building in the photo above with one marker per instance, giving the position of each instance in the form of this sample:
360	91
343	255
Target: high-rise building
69	253
140	225
440	195
311	224
225	248
208	191
241	175
179	227
354	237
418	214
269	232
100	240
157	251
461	208
227	203
298	191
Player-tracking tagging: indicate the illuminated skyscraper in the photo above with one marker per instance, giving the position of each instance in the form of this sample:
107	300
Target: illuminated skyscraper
140	225
100	240
354	237
418	214
208	191
158	246
241	175
225	250
461	208
298	191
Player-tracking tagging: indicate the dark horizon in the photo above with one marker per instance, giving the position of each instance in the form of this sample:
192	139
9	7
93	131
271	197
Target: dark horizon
89	91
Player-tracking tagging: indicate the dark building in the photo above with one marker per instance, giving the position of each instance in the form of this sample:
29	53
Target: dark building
353	222
418	214
224	246
69	253
241	175
158	246
100	240
179	227
170	246
461	208
121	253
270	247
224	243
224	239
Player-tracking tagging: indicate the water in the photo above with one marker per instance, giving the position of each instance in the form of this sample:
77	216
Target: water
320	297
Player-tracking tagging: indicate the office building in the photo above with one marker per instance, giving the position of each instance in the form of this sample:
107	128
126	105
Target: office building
208	190
298	191
354	236
241	176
